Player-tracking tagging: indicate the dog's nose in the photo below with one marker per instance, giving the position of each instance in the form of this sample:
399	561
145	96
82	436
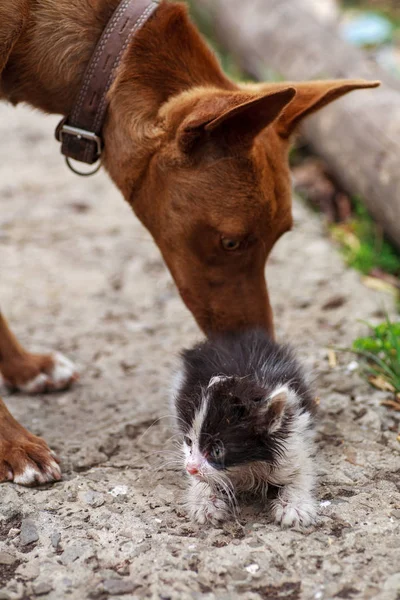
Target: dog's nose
192	469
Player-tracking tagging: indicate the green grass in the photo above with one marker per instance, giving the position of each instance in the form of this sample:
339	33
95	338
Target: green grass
363	244
381	353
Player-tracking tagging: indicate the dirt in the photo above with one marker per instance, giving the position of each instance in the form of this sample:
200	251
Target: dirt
79	274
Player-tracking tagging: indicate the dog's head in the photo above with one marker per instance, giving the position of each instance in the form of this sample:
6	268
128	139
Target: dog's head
206	169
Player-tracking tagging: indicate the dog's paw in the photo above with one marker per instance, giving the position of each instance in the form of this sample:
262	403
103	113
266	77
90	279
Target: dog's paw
60	375
28	461
211	510
291	513
36	374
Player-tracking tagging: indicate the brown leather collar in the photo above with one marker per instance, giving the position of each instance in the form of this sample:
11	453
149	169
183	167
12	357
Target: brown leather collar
80	133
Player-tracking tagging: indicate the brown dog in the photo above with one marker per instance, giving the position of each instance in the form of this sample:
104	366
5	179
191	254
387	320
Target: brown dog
201	160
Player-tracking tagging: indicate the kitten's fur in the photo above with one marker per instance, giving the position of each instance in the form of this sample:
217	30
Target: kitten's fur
247	419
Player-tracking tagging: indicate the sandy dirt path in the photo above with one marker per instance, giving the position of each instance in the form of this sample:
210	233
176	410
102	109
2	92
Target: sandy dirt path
79	274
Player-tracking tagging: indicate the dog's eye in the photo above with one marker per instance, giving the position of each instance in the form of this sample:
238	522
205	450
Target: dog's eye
187	441
230	244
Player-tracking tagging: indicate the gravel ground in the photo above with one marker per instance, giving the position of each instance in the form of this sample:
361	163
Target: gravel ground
79	274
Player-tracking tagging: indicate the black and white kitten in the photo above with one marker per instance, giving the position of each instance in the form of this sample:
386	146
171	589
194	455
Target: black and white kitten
246	415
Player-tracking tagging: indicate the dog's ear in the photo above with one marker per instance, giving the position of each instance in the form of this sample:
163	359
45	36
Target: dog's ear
232	119
314	95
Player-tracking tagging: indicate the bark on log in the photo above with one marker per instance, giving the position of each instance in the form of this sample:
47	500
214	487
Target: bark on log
359	136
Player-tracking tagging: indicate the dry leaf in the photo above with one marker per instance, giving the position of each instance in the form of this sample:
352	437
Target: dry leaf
392	404
381	384
351	455
390	279
332	360
379	285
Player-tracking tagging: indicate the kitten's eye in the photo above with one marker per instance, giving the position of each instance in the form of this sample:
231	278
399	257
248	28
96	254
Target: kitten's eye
187	441
217	452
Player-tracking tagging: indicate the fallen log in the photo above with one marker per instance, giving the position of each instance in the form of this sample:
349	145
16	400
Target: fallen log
358	136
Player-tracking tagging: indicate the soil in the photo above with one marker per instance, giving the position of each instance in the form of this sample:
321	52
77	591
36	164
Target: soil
79	274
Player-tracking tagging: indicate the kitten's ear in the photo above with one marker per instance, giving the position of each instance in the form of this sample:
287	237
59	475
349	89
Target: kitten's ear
218	379
271	411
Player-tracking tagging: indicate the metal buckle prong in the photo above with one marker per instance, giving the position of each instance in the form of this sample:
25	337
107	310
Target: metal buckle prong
81	134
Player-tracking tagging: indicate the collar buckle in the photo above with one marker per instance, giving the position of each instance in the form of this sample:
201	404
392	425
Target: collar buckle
81	134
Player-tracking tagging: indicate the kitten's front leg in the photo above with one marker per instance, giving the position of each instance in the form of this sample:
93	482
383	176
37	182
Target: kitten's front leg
294	507
295	504
204	505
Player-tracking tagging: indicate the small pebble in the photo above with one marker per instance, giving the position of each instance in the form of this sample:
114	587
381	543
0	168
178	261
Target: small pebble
13	532
325	503
6	558
116	587
28	533
71	554
119	490
55	539
94	499
253	568
43	588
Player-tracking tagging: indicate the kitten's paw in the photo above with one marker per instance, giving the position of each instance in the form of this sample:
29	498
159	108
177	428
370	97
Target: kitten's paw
211	510
301	512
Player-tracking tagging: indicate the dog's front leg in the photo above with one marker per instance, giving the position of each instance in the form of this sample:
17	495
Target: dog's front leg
24	458
32	373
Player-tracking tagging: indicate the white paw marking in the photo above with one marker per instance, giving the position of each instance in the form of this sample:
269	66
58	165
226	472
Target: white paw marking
291	514
36	385
32	475
63	371
28	476
211	510
61	375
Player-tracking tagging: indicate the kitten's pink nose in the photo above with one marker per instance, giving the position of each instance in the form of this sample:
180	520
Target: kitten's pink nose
192	469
